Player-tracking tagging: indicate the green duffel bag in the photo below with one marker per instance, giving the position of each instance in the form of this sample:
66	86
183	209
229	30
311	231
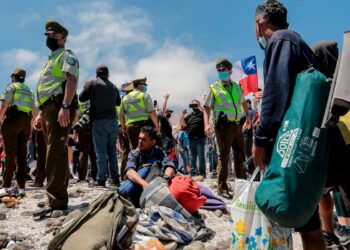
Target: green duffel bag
292	185
109	223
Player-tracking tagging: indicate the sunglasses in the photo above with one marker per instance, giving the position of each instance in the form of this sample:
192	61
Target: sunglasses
222	69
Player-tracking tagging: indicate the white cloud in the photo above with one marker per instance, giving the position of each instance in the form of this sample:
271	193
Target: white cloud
121	39
176	70
29	60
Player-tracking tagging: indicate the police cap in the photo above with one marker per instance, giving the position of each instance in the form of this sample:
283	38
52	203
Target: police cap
52	26
223	63
139	81
129	86
19	72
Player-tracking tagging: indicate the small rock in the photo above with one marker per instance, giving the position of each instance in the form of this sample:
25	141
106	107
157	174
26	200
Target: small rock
54	223
204	216
56	213
211	247
2	216
27	213
196	245
222	244
4	209
10	244
17	237
3	239
73	194
22	246
38	196
62	218
170	245
44	245
218	213
49	230
72	215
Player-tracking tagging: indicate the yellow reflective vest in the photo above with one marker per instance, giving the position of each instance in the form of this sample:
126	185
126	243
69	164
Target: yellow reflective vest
51	79
23	97
227	102
134	107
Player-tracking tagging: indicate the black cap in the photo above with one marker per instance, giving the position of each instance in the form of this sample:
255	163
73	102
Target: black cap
223	63
52	26
102	70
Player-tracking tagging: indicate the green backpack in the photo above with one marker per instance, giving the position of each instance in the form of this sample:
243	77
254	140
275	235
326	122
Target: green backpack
292	186
109	223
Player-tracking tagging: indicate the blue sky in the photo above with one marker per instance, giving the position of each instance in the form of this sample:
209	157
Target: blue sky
175	43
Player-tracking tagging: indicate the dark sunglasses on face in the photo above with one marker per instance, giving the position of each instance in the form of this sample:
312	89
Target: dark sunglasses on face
222	69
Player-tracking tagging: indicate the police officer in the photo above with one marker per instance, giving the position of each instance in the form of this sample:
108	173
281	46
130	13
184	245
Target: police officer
56	94
124	145
17	108
135	111
226	99
86	145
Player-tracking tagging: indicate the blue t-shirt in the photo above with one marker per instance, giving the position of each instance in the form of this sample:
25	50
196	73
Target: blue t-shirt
286	55
182	136
137	159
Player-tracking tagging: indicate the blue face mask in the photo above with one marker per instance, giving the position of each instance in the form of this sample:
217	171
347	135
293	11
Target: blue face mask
145	89
262	42
223	75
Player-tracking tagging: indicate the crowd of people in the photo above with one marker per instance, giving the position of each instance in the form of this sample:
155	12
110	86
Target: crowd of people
82	136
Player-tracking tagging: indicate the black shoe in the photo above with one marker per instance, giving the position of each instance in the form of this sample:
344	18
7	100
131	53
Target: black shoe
343	234
41	213
114	182
332	241
99	184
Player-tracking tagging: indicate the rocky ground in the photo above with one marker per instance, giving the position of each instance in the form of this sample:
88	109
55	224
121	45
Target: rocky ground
18	230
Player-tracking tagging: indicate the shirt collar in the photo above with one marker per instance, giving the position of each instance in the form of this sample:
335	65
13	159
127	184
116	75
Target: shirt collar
55	53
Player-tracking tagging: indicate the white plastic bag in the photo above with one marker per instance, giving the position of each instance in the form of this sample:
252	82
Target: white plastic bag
250	228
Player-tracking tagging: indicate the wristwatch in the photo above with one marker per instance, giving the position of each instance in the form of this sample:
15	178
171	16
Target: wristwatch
65	105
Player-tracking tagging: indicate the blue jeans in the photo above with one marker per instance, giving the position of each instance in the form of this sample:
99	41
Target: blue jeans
104	134
184	160
213	159
197	150
131	190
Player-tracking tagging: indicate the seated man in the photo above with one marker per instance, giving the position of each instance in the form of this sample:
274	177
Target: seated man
148	159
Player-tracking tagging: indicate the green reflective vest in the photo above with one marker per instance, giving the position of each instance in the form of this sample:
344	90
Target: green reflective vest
135	107
83	106
51	79
229	103
23	97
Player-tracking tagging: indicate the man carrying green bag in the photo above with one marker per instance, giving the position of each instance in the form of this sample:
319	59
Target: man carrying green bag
294	99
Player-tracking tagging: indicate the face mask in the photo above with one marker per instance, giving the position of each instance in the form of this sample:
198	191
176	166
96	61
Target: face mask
145	89
262	42
168	116
52	43
223	75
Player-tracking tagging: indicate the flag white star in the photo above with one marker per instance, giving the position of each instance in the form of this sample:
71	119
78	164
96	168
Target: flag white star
251	65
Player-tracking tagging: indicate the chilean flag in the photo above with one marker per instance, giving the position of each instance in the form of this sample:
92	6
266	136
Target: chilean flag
245	72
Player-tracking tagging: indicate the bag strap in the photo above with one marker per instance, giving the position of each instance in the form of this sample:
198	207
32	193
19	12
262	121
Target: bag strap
255	173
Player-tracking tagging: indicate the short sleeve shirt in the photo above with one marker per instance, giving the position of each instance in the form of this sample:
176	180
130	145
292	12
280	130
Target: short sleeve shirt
70	63
209	101
10	90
